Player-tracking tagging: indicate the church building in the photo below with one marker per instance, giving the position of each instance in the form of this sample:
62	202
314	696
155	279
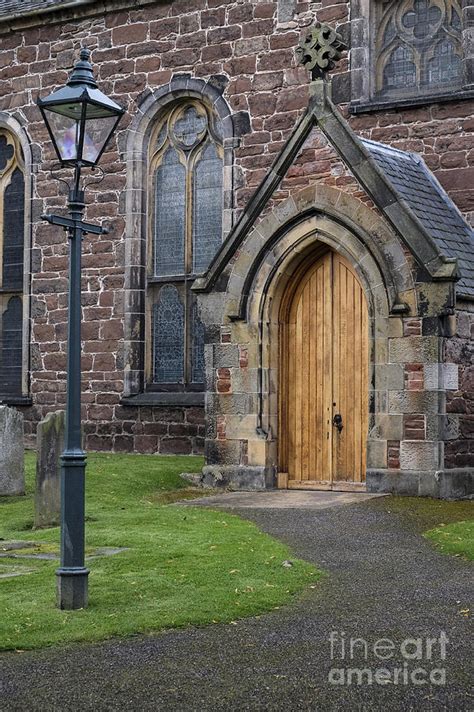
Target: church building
287	285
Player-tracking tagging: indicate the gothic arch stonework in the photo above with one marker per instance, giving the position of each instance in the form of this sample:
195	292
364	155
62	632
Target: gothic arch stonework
243	355
16	126
133	145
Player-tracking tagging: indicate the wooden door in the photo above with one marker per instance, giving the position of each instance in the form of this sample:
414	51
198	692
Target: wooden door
324	373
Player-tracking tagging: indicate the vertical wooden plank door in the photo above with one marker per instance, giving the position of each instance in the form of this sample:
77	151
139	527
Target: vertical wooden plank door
324	374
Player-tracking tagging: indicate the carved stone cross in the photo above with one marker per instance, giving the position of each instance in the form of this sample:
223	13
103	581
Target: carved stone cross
320	49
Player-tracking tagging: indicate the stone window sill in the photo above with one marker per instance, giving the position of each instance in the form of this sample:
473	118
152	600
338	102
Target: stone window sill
356	108
15	400
154	399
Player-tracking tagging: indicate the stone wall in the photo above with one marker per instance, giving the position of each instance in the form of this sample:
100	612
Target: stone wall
137	47
459	351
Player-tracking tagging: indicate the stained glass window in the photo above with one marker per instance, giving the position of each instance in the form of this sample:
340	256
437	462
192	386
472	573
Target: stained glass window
198	347
418	46
12	226
170	202
207	214
11	309
400	70
13	231
186	231
445	66
168	329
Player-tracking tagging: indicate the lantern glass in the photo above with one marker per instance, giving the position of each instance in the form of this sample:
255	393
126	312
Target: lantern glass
96	135
65	131
79	117
78	139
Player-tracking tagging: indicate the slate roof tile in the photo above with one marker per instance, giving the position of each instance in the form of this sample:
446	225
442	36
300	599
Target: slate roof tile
424	195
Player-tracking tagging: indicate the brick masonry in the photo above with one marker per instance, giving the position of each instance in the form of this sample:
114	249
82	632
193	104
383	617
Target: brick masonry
137	48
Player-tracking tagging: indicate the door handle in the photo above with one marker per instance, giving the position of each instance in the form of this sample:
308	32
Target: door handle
337	422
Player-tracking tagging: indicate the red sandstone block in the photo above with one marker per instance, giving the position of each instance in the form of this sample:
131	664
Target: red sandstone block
228	33
194	39
278	59
212	18
241	65
163	28
264	9
258	27
130	34
412	327
189	23
171	446
224	386
241	13
330	14
216	52
284	40
181	57
453	160
393	454
243	357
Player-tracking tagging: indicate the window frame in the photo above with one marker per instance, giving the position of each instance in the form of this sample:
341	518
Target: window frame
364	65
19	162
183	282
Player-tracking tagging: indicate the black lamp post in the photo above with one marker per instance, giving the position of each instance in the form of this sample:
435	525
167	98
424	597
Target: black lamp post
80	120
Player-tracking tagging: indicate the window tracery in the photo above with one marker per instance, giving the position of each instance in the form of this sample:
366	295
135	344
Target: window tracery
418	46
186	167
12	221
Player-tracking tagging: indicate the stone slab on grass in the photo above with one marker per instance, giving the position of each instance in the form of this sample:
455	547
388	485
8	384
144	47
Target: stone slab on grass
12	452
282	499
50	444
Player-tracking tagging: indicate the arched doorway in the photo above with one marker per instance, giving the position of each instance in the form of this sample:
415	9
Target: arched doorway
323	384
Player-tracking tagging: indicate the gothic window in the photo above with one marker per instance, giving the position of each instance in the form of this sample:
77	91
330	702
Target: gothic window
12	222
418	47
185	232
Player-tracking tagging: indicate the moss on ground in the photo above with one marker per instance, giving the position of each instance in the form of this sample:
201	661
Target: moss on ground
456	539
423	513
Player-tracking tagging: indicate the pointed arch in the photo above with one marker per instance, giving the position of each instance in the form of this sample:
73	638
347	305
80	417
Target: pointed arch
15	246
135	147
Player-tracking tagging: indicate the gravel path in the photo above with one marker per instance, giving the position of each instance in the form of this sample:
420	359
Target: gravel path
385	582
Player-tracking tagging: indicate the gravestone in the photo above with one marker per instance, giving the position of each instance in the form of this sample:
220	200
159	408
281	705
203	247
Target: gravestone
12	452
50	444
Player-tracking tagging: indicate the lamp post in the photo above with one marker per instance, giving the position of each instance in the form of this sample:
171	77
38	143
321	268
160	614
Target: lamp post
80	120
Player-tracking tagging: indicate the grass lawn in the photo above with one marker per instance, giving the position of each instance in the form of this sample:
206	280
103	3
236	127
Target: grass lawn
457	538
184	565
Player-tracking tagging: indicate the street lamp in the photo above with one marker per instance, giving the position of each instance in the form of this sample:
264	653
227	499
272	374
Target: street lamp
80	120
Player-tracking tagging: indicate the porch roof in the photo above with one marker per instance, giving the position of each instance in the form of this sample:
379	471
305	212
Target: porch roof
424	195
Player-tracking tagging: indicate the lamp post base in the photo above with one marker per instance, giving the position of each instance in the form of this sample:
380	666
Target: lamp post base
72	588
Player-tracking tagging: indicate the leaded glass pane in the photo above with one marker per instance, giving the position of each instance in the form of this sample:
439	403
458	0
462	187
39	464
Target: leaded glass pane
168	337
400	71
6	152
207	212
170	199
422	19
445	65
456	20
198	368
389	33
13	227
418	45
190	127
11	338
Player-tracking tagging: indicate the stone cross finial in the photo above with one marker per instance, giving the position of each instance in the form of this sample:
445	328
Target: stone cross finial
320	49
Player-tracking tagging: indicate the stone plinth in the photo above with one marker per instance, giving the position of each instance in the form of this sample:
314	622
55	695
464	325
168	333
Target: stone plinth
12	452
50	444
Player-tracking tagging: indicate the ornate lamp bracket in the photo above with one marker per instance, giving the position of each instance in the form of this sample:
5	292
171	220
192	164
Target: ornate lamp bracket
319	50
